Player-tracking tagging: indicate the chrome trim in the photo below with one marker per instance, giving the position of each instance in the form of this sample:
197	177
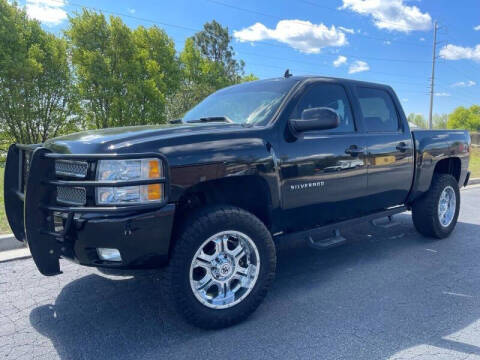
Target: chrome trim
67	202
224	270
83	165
447	206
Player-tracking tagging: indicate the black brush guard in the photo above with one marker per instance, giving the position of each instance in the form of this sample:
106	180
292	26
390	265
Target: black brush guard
30	199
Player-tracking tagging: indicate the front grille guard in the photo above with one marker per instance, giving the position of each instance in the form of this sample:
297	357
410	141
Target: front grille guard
30	206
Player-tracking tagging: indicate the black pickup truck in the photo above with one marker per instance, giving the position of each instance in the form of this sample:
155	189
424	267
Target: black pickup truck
210	194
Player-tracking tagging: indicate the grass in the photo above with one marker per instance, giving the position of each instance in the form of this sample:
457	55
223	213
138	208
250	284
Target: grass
4	228
475	162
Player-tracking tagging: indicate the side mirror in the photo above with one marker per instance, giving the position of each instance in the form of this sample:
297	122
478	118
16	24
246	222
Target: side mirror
320	118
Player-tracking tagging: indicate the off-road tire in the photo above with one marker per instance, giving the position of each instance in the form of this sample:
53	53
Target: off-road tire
197	229
425	209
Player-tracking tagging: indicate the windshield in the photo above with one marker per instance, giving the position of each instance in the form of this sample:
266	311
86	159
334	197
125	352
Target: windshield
251	103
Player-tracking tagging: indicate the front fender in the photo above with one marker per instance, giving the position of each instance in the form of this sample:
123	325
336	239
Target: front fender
194	164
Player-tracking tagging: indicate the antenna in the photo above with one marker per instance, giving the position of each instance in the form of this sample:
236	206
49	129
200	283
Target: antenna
287	74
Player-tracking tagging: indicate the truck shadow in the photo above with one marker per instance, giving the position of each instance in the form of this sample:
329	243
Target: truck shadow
385	291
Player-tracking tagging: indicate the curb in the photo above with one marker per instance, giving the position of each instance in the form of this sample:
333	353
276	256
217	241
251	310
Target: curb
473	181
16	254
8	242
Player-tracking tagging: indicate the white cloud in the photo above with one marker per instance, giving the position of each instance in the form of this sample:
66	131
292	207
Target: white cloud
387	42
468	83
391	14
477	28
454	52
347	30
422	39
132	11
442	94
49	12
358	66
341	60
300	35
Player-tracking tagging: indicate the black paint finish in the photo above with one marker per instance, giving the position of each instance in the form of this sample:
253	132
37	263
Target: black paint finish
306	179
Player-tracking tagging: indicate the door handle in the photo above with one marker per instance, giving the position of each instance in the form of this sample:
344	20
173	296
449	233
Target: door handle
402	147
354	150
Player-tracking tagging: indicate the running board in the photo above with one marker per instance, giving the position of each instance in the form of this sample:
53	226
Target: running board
327	242
380	223
311	234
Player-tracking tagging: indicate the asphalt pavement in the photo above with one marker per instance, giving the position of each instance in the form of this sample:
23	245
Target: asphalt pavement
387	294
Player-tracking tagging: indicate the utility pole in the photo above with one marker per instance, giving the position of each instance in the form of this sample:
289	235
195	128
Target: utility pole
432	84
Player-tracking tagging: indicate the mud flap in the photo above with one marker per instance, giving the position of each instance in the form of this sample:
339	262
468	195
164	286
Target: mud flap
44	247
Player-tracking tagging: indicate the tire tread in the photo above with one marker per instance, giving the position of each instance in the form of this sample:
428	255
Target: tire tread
198	223
424	210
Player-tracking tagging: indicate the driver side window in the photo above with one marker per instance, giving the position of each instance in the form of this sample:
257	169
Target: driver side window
332	96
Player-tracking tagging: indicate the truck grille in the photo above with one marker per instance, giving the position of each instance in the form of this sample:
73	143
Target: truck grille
71	168
71	195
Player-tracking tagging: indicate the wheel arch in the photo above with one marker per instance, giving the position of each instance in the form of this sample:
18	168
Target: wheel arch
248	192
451	166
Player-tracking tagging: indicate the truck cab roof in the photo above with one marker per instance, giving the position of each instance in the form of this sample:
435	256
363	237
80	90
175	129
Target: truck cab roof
302	78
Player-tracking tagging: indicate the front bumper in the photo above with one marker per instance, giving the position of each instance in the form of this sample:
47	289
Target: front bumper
52	231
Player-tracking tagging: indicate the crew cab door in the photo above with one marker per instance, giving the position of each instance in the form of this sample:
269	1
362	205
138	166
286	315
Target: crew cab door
323	173
389	147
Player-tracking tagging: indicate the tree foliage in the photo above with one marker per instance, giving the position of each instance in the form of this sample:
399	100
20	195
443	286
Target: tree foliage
214	43
123	75
102	73
207	64
439	121
418	120
465	118
36	97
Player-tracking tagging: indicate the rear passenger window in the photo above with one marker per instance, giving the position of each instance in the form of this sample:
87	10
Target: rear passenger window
378	111
332	96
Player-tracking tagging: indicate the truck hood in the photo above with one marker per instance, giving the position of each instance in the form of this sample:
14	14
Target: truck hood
122	138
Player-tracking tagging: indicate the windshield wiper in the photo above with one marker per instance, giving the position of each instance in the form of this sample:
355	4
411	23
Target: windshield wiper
212	119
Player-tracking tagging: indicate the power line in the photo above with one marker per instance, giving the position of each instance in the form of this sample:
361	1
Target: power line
276	45
261	42
303	23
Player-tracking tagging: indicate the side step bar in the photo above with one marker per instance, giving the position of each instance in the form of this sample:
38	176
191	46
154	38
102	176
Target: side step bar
336	238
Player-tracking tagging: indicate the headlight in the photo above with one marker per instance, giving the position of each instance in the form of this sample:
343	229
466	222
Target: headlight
134	169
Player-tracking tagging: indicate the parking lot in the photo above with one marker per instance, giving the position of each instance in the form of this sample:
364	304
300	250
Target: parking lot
389	293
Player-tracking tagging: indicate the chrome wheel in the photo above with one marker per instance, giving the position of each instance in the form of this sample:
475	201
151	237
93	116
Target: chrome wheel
224	269
447	206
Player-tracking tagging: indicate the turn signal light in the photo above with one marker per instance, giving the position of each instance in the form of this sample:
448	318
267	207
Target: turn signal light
154	169
154	192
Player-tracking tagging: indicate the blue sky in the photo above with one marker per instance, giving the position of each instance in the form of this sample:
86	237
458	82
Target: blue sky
387	41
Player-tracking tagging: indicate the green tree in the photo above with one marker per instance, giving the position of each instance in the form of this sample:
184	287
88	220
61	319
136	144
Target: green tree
214	43
36	97
439	121
249	77
123	75
418	120
207	64
463	118
199	79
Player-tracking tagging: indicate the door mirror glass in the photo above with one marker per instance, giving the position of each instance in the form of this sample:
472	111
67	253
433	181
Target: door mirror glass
319	118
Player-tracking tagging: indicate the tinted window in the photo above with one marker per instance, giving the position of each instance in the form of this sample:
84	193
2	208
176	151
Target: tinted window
328	95
378	111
